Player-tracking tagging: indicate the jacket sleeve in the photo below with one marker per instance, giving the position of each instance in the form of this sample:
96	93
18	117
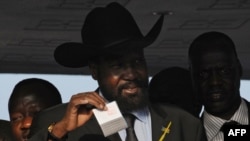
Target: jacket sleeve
41	135
41	122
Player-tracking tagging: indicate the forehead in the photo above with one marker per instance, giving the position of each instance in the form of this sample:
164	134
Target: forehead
22	102
214	58
25	99
213	50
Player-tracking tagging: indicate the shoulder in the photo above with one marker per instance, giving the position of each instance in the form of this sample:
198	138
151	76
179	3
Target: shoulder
53	113
171	111
183	124
247	102
54	109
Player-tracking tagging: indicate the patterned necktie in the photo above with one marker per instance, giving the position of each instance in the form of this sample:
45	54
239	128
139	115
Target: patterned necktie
130	130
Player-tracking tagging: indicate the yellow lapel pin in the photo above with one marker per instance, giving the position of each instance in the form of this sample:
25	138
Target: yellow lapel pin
165	131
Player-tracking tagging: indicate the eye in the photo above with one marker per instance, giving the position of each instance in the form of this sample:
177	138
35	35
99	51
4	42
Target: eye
15	119
204	74
34	112
140	61
116	65
225	71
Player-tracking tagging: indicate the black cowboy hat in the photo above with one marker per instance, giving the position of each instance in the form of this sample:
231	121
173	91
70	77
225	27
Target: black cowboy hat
106	29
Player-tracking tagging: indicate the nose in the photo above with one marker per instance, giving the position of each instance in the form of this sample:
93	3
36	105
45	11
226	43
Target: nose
26	122
215	78
130	73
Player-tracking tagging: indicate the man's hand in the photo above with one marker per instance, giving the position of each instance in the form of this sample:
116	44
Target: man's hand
79	111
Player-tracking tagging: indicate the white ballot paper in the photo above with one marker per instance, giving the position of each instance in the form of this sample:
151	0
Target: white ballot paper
111	121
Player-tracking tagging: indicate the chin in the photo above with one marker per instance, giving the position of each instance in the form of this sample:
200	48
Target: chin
215	108
132	103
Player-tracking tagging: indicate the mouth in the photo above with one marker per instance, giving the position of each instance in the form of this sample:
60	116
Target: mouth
216	96
25	139
130	89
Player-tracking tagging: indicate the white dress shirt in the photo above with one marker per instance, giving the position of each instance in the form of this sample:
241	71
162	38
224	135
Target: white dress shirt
142	126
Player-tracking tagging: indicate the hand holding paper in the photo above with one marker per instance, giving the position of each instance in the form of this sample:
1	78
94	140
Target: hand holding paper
111	121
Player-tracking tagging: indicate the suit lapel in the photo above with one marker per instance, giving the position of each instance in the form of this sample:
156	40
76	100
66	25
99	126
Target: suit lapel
158	122
114	137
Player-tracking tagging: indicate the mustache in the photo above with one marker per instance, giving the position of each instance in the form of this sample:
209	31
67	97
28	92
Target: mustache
134	83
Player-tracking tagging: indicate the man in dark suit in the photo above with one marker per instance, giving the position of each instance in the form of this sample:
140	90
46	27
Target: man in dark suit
216	72
113	49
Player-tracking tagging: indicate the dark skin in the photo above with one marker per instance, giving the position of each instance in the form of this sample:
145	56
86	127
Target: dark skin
123	79
217	74
29	97
21	116
120	77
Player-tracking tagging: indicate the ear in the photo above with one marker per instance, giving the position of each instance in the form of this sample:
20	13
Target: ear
93	70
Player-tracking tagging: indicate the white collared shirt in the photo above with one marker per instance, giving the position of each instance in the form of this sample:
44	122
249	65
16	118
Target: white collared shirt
142	126
213	124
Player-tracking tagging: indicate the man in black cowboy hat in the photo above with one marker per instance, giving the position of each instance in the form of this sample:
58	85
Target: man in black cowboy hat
112	48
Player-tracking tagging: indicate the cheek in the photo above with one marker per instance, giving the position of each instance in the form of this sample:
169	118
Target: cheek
106	80
143	73
111	82
16	129
109	79
202	89
114	79
201	85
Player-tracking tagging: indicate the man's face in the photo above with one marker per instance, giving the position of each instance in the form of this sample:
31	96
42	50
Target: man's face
217	78
21	116
124	78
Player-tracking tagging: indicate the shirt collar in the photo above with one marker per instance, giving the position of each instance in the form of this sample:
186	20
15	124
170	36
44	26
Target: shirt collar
142	114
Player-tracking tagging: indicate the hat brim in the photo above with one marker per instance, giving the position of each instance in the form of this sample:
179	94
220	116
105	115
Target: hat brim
76	55
71	54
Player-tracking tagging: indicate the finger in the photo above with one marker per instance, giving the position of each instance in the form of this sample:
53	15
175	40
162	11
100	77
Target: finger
88	99
94	99
98	96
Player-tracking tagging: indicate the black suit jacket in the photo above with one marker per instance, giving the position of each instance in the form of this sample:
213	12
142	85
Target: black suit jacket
185	127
